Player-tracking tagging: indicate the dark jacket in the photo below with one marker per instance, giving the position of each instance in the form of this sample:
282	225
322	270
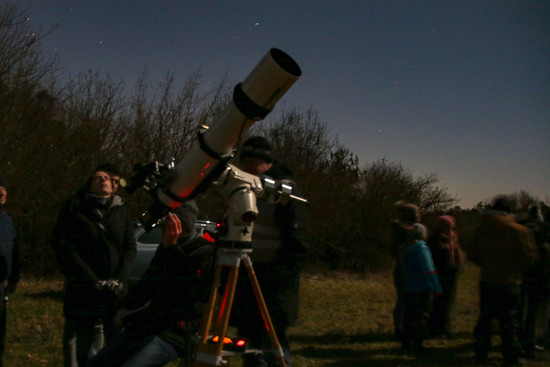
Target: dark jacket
503	249
168	300
279	279
9	253
538	276
175	285
93	241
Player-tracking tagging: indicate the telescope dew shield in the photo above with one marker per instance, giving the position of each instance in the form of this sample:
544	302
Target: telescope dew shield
252	100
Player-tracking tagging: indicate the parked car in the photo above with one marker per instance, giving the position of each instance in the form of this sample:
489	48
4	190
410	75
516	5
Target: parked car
147	243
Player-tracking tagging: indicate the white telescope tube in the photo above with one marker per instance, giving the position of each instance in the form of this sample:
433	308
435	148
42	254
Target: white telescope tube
252	100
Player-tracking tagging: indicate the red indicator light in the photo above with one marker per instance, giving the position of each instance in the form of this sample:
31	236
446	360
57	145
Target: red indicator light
208	237
226	340
205	168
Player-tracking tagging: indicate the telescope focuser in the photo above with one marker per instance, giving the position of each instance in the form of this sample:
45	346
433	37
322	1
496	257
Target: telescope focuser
278	191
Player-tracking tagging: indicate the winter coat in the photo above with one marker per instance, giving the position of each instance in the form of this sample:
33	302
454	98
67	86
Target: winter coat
279	278
419	271
175	285
502	248
93	242
538	277
441	255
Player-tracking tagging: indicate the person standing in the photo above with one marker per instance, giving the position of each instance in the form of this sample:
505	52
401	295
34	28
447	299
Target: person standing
280	241
95	245
407	214
503	249
448	259
536	286
420	282
9	263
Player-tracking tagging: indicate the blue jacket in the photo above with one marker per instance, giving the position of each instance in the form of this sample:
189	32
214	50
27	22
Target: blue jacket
419	270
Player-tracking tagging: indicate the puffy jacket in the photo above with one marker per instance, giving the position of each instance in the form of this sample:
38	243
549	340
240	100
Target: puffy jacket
419	270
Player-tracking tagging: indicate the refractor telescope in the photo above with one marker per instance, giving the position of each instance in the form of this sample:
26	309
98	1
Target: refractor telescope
252	101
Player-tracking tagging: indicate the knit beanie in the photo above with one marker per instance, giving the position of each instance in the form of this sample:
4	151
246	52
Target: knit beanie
419	232
188	213
257	147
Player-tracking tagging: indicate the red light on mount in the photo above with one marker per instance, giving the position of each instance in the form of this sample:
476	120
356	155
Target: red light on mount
238	345
226	340
208	237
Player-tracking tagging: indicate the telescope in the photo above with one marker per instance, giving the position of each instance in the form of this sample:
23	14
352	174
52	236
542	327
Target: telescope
207	159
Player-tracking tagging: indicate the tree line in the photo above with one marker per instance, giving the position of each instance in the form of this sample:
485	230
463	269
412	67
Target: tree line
55	131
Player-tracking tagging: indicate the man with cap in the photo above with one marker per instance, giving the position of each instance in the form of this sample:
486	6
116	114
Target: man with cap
280	241
9	263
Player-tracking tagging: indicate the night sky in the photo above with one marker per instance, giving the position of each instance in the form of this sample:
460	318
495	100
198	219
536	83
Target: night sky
456	88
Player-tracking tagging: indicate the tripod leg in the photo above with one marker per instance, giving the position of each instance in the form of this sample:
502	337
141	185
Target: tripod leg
210	305
222	321
211	354
277	349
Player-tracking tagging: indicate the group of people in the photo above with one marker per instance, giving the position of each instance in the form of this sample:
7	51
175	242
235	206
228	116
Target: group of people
108	323
514	257
425	275
156	321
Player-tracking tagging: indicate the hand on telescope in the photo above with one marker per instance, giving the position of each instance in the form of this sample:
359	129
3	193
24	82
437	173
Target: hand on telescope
171	230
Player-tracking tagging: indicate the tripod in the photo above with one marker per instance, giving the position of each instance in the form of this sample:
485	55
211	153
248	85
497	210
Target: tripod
241	189
208	354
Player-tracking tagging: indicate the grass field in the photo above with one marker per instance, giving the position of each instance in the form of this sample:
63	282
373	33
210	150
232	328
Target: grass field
346	320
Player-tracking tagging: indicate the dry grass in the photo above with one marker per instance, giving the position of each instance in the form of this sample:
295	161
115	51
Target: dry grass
346	320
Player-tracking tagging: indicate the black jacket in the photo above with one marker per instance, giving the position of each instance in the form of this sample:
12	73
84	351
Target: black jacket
279	280
93	241
174	286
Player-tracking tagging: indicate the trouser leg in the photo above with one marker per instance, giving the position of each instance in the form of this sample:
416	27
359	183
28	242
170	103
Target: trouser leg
483	329
509	320
156	353
82	338
259	339
2	330
415	320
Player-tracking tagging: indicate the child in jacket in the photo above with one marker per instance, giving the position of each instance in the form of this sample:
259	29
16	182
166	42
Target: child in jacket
421	282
